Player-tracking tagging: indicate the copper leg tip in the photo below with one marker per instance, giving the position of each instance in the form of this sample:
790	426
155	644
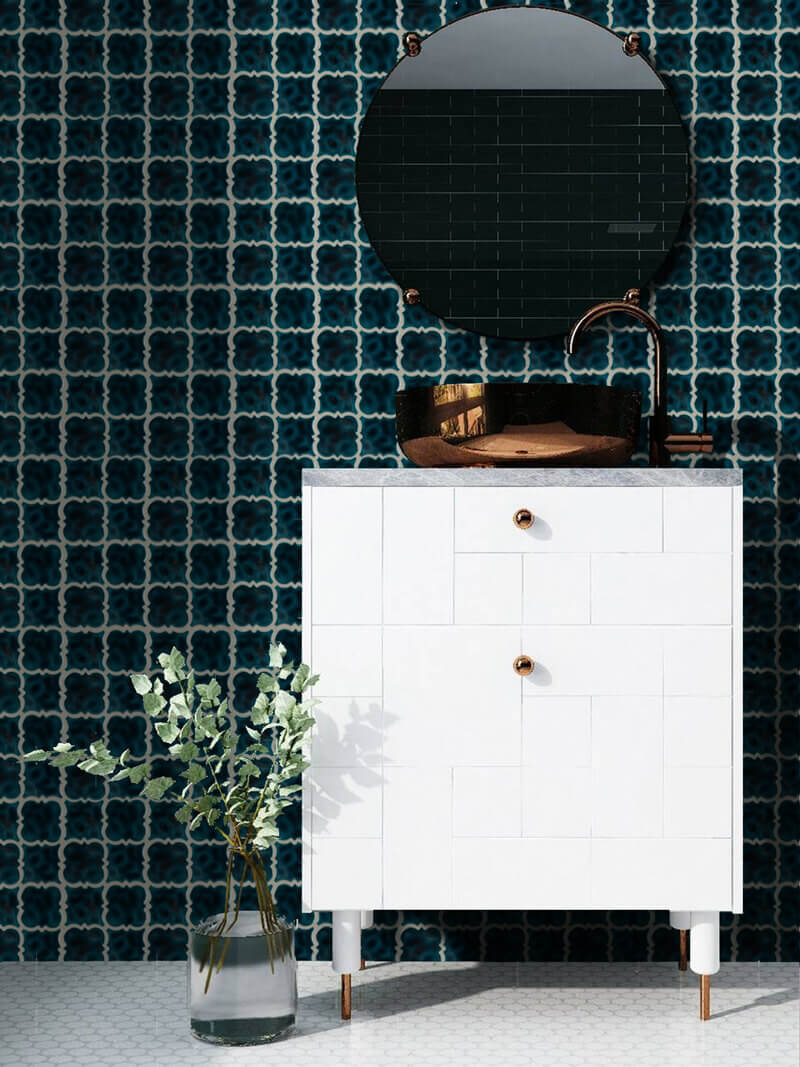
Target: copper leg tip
684	957
363	965
346	996
705	997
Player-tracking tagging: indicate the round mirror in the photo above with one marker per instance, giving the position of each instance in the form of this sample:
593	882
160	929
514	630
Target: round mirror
518	166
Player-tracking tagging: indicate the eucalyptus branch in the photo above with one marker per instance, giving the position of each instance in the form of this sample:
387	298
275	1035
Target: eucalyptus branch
200	734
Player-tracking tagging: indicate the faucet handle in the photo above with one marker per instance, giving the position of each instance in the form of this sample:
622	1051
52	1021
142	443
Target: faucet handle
686	443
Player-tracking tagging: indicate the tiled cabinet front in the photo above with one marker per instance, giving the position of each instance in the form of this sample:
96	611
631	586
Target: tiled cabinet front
609	777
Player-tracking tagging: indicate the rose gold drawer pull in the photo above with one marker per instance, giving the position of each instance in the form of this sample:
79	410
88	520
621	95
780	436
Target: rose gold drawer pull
523	665
523	519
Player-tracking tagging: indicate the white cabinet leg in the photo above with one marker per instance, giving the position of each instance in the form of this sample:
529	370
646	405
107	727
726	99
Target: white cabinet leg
346	952
681	920
704	954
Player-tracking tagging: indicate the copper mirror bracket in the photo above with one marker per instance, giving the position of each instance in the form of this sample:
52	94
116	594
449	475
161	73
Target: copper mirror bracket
412	42
632	44
411	296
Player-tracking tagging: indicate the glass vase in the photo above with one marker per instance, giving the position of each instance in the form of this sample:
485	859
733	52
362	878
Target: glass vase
250	997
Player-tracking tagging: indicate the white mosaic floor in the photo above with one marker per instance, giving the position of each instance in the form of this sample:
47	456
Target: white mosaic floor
503	1014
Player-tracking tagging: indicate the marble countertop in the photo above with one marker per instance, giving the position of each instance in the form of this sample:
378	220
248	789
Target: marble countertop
524	476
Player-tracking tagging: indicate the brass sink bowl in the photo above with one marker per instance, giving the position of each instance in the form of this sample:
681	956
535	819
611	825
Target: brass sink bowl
526	424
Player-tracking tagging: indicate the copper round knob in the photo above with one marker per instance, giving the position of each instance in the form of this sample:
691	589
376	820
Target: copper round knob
411	296
523	519
523	665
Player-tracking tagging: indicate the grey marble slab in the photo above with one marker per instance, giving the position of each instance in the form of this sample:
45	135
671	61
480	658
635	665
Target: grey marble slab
526	476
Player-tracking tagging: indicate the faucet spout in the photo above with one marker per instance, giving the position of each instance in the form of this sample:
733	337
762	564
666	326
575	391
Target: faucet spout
629	305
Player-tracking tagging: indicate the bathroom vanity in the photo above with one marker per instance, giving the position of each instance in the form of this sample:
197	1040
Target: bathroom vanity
530	686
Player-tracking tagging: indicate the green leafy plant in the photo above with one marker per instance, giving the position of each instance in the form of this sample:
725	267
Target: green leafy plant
238	786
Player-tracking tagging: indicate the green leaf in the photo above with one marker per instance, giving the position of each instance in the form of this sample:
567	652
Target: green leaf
141	683
185	813
178	706
153	703
36	756
126	755
276	654
210	693
188	751
68	759
62	746
260	713
266	683
98	766
172	663
195	773
138	774
157	787
285	703
205	724
167	731
299	680
124	773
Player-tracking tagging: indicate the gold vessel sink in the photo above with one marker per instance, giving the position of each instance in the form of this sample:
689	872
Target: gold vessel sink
527	424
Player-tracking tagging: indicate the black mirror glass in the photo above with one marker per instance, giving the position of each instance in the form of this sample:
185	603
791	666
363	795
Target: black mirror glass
519	169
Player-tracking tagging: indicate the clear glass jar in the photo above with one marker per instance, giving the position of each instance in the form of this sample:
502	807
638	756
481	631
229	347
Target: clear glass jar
252	998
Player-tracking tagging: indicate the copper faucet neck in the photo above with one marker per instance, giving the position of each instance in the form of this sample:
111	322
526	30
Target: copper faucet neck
629	305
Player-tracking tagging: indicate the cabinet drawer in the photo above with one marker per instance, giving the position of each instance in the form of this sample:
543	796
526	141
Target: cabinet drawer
594	519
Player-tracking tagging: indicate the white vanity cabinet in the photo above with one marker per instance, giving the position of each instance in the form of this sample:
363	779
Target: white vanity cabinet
608	777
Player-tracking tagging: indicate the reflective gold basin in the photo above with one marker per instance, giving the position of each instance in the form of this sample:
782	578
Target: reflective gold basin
527	424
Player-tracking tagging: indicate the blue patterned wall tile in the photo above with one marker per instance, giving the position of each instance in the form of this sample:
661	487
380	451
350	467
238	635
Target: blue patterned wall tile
193	309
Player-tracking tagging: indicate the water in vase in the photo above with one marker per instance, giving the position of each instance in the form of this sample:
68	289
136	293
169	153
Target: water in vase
251	998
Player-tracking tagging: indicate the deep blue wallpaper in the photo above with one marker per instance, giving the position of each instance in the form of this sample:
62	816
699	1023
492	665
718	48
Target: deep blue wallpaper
189	315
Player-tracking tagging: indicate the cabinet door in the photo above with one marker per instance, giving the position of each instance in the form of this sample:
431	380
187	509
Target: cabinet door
451	696
417	555
345	555
627	767
417	803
